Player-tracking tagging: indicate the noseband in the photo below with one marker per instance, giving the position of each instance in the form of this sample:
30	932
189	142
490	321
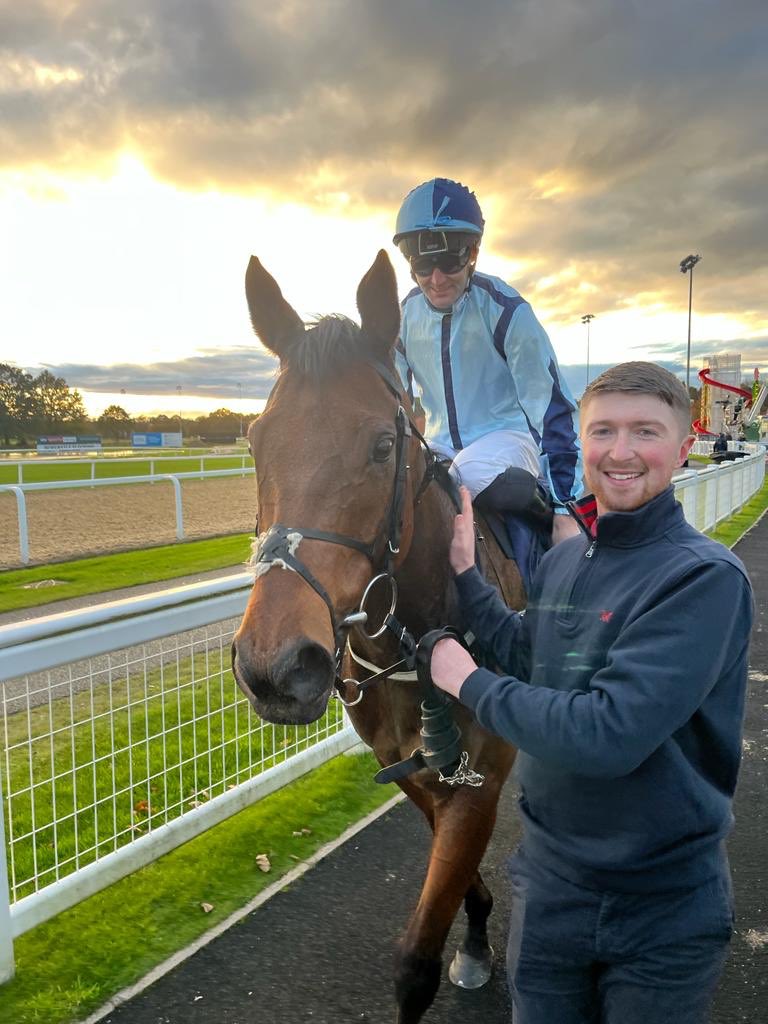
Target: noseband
279	543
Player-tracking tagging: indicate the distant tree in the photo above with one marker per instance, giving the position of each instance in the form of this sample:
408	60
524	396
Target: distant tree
57	407
115	422
161	423
219	425
17	404
220	421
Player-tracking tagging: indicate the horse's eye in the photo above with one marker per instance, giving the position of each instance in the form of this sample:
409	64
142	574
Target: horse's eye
383	448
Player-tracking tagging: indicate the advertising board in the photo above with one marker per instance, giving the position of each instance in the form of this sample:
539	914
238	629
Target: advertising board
76	443
156	439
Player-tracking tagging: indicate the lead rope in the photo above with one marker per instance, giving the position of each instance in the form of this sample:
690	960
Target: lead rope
441	737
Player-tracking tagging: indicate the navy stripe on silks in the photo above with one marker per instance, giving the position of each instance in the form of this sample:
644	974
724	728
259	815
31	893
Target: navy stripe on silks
450	400
509	303
409	377
559	439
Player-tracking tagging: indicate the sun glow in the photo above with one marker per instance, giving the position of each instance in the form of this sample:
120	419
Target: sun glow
171	262
188	406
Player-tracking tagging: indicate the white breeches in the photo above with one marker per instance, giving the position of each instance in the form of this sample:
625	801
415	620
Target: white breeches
480	463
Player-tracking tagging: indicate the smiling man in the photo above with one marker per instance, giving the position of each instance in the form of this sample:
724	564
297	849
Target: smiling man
490	385
625	698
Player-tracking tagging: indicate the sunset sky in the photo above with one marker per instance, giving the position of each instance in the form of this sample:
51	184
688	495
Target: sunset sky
146	149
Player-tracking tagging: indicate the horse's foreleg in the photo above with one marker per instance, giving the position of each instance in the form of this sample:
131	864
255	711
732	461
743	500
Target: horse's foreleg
473	962
463	826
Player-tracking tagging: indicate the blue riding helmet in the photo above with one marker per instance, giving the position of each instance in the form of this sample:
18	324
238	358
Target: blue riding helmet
432	212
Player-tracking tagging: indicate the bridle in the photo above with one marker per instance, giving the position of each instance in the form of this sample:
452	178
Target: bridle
441	750
279	543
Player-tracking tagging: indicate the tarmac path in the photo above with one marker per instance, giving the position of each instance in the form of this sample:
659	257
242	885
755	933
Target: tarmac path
321	950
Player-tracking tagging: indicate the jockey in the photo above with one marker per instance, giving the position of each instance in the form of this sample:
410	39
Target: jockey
491	388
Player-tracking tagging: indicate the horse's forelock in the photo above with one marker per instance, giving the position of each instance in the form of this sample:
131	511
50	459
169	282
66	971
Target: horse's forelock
328	344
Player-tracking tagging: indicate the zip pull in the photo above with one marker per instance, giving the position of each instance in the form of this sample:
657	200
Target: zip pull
591	549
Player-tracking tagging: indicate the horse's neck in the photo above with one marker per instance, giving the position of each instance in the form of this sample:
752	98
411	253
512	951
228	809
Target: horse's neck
425	578
426	592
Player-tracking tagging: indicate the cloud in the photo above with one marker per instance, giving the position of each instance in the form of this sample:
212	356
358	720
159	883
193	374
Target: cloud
207	375
753	351
607	136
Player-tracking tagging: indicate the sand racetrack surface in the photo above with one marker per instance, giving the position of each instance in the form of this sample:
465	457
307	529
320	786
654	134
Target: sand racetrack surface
74	522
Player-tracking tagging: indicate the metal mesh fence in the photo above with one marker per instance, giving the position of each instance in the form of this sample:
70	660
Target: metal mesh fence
98	753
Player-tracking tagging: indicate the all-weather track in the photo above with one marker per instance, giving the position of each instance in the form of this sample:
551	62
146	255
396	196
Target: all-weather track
321	950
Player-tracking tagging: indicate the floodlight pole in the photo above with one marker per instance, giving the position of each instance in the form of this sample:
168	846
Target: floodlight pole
685	265
178	392
587	319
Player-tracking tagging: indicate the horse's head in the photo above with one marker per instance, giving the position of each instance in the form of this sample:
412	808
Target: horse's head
326	450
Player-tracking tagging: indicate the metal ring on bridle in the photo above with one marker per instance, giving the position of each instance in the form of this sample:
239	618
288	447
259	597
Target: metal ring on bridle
393	605
358	698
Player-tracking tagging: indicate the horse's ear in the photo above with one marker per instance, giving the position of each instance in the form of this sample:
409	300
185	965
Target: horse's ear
378	304
273	319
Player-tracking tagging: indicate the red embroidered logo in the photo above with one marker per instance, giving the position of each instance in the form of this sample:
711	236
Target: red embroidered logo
606	616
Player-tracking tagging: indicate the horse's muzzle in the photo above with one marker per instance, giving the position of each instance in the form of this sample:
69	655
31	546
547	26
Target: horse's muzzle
293	689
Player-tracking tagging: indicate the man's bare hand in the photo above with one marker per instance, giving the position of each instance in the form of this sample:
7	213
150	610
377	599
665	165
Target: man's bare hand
462	550
451	664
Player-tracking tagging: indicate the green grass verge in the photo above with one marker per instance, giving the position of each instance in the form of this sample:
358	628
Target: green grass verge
125	569
733	528
69	966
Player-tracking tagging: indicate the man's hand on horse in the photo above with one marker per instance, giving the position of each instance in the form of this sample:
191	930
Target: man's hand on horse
462	550
451	664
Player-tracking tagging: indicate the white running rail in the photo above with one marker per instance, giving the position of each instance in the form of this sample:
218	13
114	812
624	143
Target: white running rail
107	463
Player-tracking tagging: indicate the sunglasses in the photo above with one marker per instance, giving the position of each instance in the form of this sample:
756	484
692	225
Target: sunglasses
445	262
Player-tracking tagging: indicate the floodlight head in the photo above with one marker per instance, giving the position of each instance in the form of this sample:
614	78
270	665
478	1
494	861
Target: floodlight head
689	263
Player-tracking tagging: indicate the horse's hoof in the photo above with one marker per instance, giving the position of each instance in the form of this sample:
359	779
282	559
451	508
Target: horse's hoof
470	972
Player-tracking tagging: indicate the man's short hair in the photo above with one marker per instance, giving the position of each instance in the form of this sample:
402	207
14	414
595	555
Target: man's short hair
644	379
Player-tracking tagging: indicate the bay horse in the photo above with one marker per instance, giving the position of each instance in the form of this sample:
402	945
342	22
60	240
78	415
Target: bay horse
345	487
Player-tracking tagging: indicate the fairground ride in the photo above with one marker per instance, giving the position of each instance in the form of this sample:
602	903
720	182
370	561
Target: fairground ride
738	418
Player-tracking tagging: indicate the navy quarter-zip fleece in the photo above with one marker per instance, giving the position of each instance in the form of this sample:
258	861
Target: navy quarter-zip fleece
625	698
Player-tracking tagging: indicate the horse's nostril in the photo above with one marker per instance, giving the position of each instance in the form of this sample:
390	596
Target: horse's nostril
314	660
310	675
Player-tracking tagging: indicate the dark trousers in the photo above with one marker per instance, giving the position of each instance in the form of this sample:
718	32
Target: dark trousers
578	956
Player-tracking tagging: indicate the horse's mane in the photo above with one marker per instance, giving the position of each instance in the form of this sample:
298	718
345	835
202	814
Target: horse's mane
332	342
328	344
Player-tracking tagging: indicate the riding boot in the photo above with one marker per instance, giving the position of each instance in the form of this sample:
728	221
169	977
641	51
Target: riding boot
517	491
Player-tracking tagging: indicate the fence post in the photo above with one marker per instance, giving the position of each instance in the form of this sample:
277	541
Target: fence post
21	509
7	966
179	510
